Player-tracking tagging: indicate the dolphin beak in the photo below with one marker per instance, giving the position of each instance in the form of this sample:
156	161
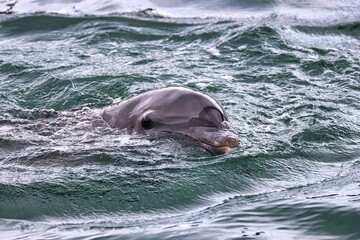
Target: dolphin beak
222	144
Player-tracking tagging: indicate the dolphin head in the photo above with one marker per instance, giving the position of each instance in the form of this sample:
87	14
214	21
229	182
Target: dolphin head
176	110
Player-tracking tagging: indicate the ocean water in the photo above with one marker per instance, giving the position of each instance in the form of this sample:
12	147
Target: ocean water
286	72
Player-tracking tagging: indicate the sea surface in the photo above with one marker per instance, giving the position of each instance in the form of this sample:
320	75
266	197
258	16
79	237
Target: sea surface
286	72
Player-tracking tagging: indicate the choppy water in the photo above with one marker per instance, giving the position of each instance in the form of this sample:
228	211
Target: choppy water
287	73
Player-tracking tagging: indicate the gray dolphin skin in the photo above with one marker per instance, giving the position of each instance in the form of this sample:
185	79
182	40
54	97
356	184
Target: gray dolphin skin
176	110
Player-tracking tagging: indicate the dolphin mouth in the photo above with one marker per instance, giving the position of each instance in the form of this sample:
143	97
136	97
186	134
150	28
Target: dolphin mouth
216	145
225	145
218	150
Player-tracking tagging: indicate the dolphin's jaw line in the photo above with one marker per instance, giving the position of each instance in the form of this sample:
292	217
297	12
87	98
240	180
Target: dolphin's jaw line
206	144
220	149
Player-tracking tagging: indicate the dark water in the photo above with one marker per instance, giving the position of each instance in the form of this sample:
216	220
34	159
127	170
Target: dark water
287	73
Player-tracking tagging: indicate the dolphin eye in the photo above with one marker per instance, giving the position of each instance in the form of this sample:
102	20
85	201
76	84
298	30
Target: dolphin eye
147	123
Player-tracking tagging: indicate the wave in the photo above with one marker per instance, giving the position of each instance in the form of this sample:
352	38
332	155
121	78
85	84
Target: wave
288	79
325	10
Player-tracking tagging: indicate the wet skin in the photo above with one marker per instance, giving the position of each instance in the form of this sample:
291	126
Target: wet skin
175	110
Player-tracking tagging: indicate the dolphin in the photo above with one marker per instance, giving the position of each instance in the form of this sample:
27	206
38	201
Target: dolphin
175	110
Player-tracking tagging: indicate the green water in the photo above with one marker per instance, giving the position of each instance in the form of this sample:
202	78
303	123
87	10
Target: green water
290	87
